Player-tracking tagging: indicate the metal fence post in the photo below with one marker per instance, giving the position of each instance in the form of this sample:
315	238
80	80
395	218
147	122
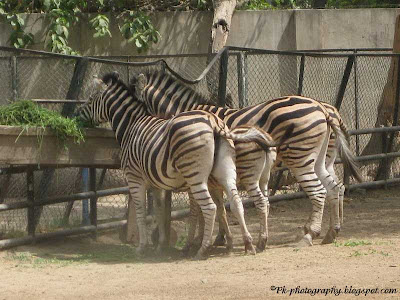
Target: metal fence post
85	203
345	80
93	199
356	103
30	184
338	104
301	75
223	77
168	205
242	79
67	110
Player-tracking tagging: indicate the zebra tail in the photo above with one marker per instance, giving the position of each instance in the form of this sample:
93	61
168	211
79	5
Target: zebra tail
343	146
259	136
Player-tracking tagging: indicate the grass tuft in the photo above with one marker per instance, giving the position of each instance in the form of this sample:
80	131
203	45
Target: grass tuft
27	114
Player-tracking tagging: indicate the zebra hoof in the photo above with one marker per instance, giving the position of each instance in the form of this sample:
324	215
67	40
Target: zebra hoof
229	245
330	237
141	250
186	250
249	248
306	241
201	255
198	240
262	243
219	241
161	249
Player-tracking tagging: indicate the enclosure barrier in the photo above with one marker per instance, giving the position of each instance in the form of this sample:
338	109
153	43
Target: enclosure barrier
297	72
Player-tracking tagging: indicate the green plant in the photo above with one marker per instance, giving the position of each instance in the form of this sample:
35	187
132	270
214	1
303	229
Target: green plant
100	24
28	114
257	5
137	28
180	243
352	243
18	37
63	14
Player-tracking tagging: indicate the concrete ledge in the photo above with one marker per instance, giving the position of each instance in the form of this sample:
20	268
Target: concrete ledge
22	147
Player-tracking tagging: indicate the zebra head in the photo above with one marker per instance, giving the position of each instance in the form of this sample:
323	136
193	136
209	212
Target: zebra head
95	110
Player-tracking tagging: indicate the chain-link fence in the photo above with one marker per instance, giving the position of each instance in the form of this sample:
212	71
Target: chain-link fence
251	77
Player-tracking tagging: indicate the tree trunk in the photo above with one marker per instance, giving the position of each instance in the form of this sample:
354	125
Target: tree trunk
223	11
386	107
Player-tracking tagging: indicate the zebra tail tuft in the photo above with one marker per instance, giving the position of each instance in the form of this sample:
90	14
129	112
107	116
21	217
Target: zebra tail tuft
259	136
343	146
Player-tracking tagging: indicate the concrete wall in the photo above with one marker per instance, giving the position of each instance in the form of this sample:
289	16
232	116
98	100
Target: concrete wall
188	32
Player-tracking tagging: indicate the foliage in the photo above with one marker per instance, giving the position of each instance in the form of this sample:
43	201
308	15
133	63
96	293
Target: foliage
18	37
137	28
361	3
28	114
291	4
63	14
101	25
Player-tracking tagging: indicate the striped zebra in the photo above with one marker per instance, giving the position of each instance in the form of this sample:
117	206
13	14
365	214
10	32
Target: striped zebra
176	154
304	152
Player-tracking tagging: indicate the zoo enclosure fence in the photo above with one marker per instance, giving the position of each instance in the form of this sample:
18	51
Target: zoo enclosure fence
351	79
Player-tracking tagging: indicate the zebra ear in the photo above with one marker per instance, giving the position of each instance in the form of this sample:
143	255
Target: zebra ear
141	82
116	74
98	84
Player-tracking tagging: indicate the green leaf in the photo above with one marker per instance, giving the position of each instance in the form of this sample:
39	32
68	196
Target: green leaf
138	43
59	29
62	40
47	4
20	20
66	32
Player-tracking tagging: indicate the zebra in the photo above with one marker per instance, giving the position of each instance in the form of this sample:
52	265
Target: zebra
175	154
304	152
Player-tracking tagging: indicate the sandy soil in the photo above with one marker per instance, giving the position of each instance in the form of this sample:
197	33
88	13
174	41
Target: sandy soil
365	259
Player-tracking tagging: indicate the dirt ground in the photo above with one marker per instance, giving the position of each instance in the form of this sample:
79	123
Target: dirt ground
363	262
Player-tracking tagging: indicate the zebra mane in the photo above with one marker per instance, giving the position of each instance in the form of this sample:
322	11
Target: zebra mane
113	77
200	99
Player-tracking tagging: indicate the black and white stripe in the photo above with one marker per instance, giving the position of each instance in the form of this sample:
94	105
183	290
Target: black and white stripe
175	154
304	152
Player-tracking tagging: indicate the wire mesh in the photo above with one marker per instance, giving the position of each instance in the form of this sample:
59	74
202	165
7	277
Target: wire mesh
267	76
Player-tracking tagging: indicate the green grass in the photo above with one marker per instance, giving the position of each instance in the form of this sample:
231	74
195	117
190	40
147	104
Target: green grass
368	252
105	254
181	242
25	259
27	114
13	234
352	243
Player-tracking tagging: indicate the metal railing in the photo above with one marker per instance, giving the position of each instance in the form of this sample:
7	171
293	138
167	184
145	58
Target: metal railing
350	79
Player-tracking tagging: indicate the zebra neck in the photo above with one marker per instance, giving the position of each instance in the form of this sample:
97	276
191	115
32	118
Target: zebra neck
124	114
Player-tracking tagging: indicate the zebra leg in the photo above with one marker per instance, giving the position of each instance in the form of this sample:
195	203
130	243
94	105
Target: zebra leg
262	205
335	194
138	193
261	198
159	204
219	201
218	198
310	177
195	214
208	208
224	172
316	192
